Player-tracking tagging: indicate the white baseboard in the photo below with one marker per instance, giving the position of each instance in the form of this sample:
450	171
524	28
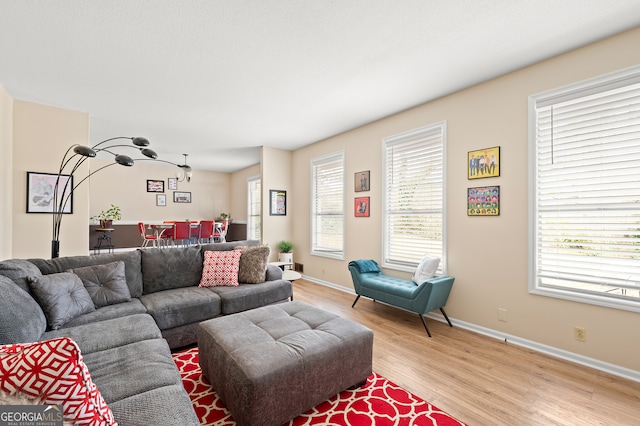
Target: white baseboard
596	364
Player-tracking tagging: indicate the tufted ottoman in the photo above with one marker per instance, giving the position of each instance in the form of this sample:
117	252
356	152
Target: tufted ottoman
271	364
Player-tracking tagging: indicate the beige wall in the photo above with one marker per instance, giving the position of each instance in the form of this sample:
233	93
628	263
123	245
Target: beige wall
127	188
487	255
6	172
276	174
41	135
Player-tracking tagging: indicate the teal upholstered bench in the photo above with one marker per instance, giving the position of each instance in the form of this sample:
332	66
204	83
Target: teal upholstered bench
421	298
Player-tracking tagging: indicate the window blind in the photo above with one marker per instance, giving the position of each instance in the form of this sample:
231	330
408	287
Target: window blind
587	191
254	204
414	197
327	210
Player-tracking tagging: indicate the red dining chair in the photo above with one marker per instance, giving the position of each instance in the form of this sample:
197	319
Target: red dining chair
181	232
206	231
147	237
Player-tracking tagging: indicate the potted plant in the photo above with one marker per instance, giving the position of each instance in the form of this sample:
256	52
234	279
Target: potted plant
286	251
106	217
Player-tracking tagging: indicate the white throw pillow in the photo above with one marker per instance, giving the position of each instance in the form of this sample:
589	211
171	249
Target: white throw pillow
426	269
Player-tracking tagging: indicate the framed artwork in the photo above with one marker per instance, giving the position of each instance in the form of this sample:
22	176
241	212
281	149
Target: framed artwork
483	201
181	197
161	200
483	163
155	185
361	207
40	192
277	202
362	181
172	184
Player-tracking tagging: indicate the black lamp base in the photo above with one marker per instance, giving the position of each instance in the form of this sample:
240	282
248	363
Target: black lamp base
55	249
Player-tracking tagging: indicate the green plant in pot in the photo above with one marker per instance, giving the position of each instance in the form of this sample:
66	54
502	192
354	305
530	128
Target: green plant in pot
286	251
106	217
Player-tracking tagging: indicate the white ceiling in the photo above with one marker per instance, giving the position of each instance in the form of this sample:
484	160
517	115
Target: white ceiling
219	78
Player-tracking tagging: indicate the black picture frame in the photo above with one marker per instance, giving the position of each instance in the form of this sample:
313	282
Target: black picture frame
277	202
39	195
155	185
181	197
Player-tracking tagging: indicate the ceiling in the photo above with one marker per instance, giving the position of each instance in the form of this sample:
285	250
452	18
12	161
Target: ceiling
218	79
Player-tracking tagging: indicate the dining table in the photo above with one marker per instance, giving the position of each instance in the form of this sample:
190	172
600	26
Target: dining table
160	228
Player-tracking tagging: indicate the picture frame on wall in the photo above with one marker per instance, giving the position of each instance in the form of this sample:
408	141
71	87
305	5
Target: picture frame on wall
154	185
483	201
362	181
161	200
277	202
172	184
483	163
40	192
181	197
361	206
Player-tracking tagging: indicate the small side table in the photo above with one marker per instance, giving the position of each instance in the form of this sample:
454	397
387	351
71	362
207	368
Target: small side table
106	237
290	275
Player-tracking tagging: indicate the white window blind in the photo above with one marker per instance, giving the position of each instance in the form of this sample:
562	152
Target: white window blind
327	206
586	191
254	205
413	217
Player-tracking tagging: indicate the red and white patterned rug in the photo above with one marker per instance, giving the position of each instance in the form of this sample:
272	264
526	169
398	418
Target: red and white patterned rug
379	402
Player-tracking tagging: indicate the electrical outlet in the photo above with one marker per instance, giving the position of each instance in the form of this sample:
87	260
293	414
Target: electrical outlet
580	334
502	315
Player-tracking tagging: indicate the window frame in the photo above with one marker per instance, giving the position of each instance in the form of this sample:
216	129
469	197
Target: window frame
411	136
314	249
615	80
250	217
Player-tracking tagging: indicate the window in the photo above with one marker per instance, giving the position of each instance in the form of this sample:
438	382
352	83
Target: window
413	218
585	192
254	207
327	206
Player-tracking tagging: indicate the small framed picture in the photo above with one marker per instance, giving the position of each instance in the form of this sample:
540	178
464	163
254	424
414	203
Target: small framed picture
277	202
361	207
40	192
181	197
155	185
483	163
483	201
361	181
161	200
172	184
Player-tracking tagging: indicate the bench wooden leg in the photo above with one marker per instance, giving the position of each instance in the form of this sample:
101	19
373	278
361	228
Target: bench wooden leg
355	301
425	324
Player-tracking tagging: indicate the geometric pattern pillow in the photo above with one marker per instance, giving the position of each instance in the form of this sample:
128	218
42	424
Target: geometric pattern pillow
220	268
426	269
253	264
53	371
62	297
106	284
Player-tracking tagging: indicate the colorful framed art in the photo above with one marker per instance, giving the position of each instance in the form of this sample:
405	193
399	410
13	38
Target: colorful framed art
483	163
361	206
483	201
154	185
40	192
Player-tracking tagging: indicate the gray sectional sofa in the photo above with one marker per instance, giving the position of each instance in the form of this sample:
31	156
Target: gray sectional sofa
127	336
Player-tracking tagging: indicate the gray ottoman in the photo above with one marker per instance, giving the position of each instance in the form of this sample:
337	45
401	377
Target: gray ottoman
271	364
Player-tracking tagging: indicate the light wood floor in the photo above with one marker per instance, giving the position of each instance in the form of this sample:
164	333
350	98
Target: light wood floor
477	379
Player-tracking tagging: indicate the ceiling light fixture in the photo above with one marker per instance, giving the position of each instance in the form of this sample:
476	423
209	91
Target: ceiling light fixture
181	176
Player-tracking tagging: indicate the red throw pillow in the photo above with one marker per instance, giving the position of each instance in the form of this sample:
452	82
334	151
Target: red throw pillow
53	371
220	268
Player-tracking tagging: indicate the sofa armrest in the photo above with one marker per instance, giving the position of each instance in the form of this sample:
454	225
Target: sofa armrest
273	273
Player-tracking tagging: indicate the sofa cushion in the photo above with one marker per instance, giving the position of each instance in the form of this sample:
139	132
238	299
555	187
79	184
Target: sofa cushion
61	296
249	296
21	318
54	372
106	283
102	335
220	268
179	306
118	310
19	270
253	264
131	261
426	269
167	269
